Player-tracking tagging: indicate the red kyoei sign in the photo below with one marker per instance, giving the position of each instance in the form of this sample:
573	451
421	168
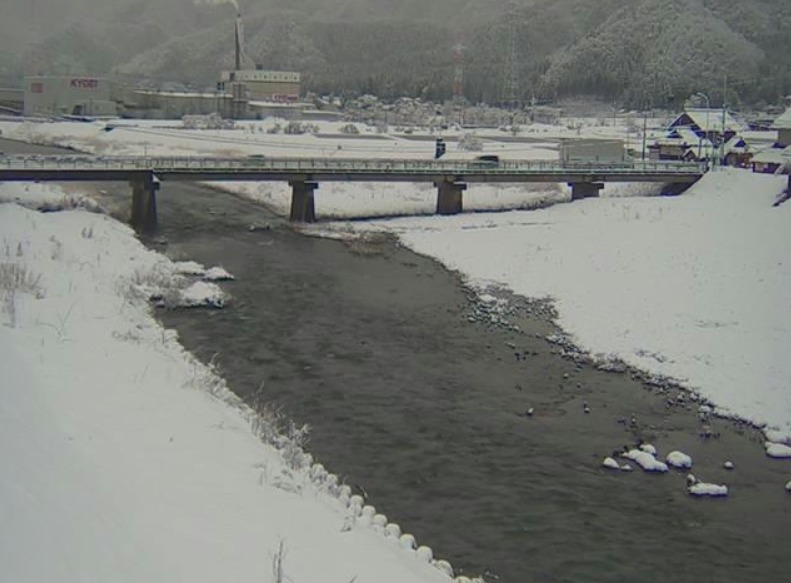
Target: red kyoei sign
82	83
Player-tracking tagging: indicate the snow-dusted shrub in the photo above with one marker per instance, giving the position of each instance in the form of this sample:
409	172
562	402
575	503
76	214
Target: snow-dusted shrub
158	283
272	427
297	128
350	128
470	142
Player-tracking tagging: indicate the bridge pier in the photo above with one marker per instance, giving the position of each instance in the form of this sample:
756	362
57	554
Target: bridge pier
580	190
144	204
303	205
449	197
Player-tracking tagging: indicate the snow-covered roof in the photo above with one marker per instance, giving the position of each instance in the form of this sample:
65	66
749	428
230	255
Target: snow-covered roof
711	120
736	145
783	121
684	136
670	141
774	156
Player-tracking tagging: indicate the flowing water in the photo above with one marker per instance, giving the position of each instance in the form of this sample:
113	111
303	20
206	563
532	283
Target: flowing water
423	408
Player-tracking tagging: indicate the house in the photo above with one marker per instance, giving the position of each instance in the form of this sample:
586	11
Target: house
736	152
700	134
783	126
713	124
680	143
776	159
772	160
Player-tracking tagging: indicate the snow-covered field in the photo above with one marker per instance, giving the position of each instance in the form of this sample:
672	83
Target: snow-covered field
105	416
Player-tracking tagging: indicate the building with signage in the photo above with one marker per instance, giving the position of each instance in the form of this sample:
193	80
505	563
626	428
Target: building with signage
78	96
262	85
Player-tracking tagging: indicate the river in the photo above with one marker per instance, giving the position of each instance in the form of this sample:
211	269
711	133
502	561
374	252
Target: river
422	408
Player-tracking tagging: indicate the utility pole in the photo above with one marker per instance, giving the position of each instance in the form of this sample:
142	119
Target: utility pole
645	130
724	101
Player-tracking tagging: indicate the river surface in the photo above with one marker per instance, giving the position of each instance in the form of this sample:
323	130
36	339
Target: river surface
423	409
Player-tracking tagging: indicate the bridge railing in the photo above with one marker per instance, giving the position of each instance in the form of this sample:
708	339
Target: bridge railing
336	165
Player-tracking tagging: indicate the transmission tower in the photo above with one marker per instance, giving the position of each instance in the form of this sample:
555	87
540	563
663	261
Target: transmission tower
458	73
511	96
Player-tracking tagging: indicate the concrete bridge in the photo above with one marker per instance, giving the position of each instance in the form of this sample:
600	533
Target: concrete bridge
451	177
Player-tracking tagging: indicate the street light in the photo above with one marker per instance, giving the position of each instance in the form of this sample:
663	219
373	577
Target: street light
706	132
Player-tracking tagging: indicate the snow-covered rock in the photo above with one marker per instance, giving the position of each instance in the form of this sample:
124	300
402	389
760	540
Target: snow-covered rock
425	554
679	460
202	293
778	450
788	486
444	566
627	468
393	531
217	274
648	448
189	268
705	489
728	465
610	463
646	461
408	542
777	436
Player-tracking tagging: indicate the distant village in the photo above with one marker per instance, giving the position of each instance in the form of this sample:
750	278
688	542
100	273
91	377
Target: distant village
707	135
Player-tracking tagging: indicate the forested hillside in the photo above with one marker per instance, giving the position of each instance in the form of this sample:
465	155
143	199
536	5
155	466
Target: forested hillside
635	52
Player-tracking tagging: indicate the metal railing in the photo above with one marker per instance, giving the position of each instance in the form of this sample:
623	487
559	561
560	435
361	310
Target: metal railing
345	166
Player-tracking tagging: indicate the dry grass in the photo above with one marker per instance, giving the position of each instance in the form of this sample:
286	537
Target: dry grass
16	279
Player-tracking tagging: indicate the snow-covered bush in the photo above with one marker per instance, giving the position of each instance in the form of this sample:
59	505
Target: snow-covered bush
470	142
350	128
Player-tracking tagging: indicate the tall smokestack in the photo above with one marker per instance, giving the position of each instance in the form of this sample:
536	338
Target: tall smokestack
238	41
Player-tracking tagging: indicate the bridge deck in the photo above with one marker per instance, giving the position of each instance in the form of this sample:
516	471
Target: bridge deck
89	168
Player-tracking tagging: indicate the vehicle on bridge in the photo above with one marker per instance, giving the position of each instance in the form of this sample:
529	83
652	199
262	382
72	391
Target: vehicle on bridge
486	161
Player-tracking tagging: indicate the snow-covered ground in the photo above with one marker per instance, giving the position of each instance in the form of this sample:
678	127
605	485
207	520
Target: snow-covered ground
107	417
125	459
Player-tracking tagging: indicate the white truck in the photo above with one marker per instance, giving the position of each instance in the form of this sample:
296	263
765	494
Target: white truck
593	152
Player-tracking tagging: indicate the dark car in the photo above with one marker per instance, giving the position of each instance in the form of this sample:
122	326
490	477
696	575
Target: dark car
486	161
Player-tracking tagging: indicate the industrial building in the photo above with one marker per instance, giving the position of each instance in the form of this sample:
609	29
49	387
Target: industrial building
146	104
243	93
261	85
89	96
